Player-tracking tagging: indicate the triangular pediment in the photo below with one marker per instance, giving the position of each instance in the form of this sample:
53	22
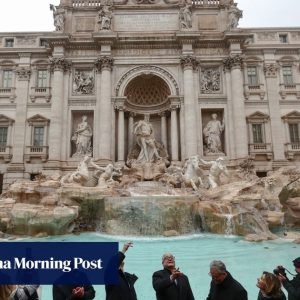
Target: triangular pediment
5	120
293	115
38	119
258	116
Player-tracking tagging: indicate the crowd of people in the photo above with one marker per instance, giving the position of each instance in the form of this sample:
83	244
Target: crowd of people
171	283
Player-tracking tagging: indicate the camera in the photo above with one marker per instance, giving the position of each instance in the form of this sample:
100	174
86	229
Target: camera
279	270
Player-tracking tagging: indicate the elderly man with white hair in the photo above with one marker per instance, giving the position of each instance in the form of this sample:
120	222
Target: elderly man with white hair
223	286
170	283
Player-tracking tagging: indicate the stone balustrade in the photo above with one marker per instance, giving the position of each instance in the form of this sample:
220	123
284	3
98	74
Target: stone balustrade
5	152
291	149
39	152
205	2
261	149
86	3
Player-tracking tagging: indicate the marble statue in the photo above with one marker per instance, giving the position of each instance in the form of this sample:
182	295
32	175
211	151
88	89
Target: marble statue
191	174
81	175
104	17
185	16
217	168
234	16
212	135
144	137
59	18
82	138
106	175
83	83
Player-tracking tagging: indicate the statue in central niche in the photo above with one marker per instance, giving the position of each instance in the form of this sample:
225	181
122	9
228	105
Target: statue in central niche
144	137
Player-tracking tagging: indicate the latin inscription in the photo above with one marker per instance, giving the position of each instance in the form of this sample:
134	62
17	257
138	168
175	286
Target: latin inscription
146	22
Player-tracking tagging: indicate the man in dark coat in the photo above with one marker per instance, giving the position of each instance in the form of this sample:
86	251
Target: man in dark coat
292	286
170	283
223	286
125	289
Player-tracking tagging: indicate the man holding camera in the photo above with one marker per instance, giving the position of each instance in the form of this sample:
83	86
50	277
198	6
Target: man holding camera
291	286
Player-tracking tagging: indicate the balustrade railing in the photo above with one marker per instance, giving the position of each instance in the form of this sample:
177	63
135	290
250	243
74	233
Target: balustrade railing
86	3
206	2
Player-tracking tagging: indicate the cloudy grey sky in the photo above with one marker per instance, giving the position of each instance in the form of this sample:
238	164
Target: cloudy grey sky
34	15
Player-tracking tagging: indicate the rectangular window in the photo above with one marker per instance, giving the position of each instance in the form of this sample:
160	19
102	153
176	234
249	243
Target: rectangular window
9	43
294	133
283	38
38	136
287	75
43	43
252	75
3	136
257	133
7	78
42	78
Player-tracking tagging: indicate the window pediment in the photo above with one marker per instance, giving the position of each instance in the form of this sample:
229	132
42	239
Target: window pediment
38	120
258	117
4	120
293	116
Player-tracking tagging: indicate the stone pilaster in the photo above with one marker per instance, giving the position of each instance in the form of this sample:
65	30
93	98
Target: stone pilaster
59	65
130	130
104	65
175	105
188	63
277	131
234	64
22	88
163	124
119	106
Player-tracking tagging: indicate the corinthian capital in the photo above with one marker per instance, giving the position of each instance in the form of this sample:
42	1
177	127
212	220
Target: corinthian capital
233	61
23	73
104	62
59	63
270	69
189	61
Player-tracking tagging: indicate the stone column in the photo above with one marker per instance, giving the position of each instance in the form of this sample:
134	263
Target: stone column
22	88
119	106
104	64
59	66
190	119
234	63
230	121
277	128
163	123
174	134
130	131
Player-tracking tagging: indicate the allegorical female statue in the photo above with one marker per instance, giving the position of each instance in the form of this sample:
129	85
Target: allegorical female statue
83	137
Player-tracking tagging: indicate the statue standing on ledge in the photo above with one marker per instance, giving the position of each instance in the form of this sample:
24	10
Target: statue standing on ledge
185	16
59	18
104	17
234	16
144	137
82	137
212	135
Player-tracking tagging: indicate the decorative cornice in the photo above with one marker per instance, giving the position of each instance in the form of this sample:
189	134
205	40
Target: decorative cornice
60	64
23	73
233	61
189	62
104	62
271	69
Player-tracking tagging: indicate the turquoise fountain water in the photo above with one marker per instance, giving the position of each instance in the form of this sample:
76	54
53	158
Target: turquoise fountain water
193	253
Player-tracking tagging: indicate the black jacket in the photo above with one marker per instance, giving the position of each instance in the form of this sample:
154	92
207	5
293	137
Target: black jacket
64	292
262	297
167	290
293	287
229	289
125	289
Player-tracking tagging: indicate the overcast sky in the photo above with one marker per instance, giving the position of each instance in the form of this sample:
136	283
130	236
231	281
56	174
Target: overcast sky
34	15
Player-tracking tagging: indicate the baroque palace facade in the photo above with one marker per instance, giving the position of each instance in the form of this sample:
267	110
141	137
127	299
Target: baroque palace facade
107	64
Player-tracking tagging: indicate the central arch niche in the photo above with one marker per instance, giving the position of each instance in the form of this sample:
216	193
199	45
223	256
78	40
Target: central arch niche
147	92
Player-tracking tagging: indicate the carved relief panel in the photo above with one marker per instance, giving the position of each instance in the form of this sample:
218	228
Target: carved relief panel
210	80
83	82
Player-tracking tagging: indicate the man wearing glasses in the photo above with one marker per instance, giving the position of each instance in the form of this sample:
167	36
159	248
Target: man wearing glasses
223	286
170	283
